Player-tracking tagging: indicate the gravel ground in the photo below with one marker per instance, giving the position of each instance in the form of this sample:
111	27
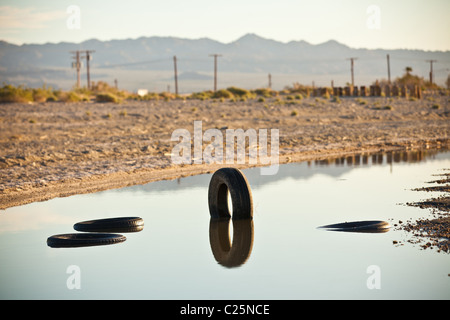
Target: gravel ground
58	149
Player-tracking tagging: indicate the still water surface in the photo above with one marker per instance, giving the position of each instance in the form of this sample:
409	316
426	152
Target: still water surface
175	257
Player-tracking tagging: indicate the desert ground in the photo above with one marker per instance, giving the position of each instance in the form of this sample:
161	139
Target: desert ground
56	149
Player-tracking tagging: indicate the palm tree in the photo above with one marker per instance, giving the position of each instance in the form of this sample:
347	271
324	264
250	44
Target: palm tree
408	70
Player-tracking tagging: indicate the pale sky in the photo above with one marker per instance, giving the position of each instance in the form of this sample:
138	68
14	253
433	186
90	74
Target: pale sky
394	24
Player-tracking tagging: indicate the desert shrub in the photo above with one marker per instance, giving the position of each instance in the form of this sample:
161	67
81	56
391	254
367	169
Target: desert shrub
10	93
265	92
70	96
294	113
222	93
167	96
204	95
241	93
336	99
43	94
106	97
361	101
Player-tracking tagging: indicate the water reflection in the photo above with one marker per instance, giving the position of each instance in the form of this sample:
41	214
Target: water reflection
389	157
231	253
359	227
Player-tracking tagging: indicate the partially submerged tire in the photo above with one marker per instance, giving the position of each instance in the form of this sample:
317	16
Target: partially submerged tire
122	224
72	240
230	180
374	226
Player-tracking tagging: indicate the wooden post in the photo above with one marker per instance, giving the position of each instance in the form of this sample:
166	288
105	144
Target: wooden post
412	91
363	91
347	91
377	91
387	91
404	91
419	92
395	90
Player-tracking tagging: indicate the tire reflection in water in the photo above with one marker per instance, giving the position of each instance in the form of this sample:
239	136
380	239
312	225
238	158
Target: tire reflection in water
229	253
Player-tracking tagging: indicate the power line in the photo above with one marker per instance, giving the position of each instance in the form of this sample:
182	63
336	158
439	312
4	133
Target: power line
88	58
431	70
133	63
215	69
351	64
175	74
77	65
389	69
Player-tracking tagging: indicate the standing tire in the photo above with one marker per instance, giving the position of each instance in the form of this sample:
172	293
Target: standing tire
72	240
230	180
123	224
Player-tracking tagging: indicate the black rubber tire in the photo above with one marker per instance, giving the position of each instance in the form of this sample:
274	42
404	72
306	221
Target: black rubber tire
234	181
374	226
122	224
72	240
229	254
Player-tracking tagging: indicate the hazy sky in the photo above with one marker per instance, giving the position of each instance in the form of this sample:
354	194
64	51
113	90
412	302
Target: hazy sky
411	24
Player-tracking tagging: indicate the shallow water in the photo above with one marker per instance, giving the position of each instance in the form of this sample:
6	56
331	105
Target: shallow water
289	257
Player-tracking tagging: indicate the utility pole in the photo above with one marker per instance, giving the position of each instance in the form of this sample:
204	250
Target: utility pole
431	70
77	65
352	63
88	58
175	74
270	81
215	69
389	69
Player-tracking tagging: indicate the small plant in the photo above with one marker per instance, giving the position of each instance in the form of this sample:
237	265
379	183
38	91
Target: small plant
436	106
261	99
387	107
361	101
294	113
32	120
336	99
123	113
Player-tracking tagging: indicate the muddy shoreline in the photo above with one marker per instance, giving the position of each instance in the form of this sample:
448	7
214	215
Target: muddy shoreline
432	233
50	150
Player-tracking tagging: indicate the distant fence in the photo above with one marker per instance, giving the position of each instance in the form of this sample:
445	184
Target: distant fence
371	91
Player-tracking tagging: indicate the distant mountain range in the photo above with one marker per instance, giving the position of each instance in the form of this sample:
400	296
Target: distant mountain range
246	62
